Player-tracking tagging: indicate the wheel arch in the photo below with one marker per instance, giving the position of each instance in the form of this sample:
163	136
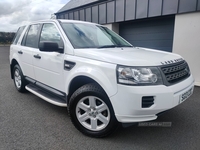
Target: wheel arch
79	81
13	63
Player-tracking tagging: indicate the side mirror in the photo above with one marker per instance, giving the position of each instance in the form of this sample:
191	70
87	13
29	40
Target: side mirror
49	47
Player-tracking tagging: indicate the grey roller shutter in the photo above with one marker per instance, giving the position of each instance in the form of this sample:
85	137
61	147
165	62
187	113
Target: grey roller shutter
156	33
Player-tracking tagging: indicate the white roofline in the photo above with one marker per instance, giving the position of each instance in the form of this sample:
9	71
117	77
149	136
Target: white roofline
61	20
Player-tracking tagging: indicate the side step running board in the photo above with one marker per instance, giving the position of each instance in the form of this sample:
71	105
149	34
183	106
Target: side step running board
47	97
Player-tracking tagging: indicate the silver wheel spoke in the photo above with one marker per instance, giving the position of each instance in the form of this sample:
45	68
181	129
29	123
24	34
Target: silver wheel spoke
83	117
16	73
83	106
92	102
17	78
94	123
101	108
103	119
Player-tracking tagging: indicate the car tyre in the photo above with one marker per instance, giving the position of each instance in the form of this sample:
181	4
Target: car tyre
19	79
91	112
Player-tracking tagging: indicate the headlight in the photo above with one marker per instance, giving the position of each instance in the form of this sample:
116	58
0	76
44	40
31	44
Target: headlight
139	75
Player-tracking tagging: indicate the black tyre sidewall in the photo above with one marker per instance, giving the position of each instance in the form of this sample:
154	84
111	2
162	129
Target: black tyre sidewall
91	90
22	88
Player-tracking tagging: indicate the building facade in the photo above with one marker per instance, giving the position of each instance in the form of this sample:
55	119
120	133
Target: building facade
168	25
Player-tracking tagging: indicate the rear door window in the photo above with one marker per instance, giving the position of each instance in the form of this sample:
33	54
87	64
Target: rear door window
32	36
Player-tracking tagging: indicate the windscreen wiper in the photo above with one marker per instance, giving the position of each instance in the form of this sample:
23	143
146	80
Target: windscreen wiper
108	46
124	46
113	46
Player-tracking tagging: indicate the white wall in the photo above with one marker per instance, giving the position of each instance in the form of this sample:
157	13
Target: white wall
187	41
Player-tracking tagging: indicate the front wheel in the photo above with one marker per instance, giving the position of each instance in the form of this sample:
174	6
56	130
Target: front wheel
91	111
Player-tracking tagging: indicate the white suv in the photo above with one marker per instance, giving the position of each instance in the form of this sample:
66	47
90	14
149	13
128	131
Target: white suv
101	78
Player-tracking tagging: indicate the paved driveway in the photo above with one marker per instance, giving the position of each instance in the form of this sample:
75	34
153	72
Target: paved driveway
27	122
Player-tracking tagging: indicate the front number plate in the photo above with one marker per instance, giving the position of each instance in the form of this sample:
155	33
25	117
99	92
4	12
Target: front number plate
185	95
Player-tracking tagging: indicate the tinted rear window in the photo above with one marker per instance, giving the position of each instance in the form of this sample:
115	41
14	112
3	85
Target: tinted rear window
18	34
31	38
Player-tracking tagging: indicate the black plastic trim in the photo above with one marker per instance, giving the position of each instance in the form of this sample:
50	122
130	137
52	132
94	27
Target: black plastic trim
47	88
147	101
30	80
68	65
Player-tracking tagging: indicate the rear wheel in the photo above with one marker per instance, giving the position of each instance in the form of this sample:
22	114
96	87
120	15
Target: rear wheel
18	78
91	111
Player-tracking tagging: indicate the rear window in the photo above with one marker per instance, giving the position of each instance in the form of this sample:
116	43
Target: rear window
18	34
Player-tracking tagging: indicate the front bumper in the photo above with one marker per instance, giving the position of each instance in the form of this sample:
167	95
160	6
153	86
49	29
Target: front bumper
127	103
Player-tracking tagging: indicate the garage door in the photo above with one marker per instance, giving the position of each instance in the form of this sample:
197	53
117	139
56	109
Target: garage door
156	33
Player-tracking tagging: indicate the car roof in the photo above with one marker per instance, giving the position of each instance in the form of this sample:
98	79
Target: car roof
61	20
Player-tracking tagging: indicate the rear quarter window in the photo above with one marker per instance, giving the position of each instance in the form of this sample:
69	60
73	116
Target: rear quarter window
18	34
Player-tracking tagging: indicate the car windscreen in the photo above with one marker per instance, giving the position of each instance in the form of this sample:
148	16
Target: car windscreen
83	35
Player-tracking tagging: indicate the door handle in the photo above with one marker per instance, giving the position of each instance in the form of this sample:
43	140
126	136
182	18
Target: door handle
20	52
37	56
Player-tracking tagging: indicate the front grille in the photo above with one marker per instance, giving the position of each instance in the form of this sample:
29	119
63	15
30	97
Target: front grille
147	101
175	73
